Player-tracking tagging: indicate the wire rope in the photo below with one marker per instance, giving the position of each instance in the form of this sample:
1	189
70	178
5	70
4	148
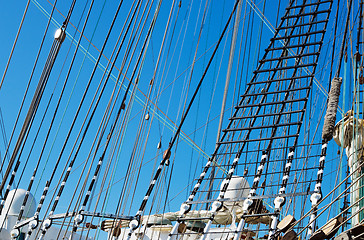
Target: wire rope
24	97
160	118
79	217
112	94
83	97
31	113
14	44
132	96
46	138
150	88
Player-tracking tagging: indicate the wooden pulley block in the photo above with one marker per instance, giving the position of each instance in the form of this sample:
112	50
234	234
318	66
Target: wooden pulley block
357	230
166	154
116	232
343	236
361	80
330	228
290	235
89	225
318	235
182	228
286	223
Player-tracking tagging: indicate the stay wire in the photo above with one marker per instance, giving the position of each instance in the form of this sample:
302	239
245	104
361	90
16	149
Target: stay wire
83	97
334	42
148	95
103	121
21	175
344	39
51	124
100	131
69	96
117	118
109	104
110	164
28	130
167	152
127	114
26	91
119	76
129	168
145	47
188	77
105	146
169	125
182	44
201	80
46	75
86	90
97	134
14	44
34	141
28	120
158	92
37	97
71	92
3	134
92	114
134	164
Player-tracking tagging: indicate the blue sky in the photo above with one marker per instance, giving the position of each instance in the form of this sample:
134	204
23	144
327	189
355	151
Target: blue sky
172	81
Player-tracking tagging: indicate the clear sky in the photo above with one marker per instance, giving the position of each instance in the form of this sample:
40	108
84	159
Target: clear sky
176	78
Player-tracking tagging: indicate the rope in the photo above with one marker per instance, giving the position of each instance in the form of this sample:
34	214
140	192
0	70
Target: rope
46	226
171	126
25	94
79	218
14	44
51	124
33	108
109	109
